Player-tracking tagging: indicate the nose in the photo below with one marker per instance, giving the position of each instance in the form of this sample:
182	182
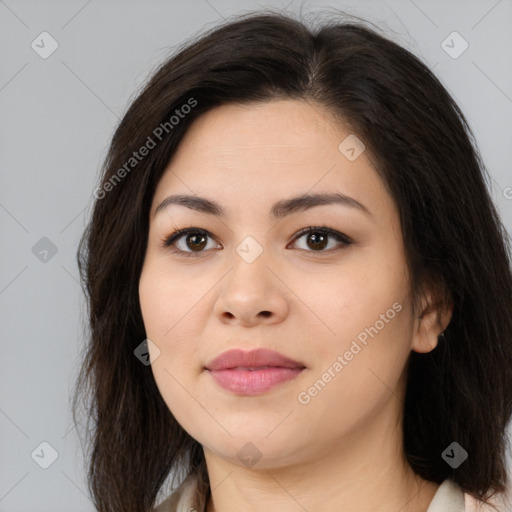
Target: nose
251	294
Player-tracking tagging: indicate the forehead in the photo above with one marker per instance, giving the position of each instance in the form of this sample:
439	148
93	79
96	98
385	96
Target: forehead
269	128
261	152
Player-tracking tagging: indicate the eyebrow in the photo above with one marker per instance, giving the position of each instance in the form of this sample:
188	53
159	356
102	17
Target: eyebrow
279	210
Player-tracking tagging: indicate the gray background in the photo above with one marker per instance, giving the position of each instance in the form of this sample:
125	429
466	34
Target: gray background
57	117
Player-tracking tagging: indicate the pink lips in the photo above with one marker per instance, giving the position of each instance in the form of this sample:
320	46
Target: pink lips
253	372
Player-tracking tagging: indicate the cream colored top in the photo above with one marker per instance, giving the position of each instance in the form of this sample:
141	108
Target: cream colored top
448	498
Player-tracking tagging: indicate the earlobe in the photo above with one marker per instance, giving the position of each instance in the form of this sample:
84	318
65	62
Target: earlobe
430	326
431	347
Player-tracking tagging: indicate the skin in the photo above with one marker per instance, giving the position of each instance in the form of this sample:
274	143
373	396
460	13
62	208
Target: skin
347	440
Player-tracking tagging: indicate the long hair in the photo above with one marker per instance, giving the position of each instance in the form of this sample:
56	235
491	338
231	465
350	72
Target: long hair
422	148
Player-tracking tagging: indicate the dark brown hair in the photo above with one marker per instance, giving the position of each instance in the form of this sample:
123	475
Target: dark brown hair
423	150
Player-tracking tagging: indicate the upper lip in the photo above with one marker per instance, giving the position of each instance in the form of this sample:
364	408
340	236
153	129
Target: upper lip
254	358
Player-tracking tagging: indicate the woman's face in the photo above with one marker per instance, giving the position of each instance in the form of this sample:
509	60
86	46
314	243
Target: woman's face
246	280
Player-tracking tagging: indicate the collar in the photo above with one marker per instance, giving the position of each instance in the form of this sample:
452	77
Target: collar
448	498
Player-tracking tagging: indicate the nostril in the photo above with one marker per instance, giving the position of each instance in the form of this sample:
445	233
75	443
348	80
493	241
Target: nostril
266	314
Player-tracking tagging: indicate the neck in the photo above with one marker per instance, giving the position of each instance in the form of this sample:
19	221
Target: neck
266	490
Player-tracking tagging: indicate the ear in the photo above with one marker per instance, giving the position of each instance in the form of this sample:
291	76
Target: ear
434	318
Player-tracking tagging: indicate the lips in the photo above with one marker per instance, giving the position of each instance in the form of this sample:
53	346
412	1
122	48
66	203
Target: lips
253	373
253	360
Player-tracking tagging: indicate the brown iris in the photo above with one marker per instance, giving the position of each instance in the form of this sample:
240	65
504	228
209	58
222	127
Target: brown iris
319	240
197	240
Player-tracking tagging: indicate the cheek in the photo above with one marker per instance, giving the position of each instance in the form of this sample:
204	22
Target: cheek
358	371
169	324
348	402
364	317
166	322
167	299
342	300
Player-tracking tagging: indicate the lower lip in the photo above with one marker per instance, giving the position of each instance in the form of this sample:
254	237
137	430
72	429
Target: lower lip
253	382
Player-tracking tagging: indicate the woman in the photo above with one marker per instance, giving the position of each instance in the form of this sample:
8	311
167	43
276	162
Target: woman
299	288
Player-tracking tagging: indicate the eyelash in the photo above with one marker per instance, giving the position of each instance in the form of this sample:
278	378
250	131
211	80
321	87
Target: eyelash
168	242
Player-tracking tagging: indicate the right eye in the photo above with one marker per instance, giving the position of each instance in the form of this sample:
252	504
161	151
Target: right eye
196	240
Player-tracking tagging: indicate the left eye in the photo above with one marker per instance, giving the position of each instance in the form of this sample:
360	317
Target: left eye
196	240
318	238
